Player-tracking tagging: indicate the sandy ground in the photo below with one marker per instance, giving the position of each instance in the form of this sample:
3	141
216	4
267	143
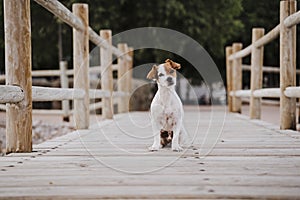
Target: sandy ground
44	127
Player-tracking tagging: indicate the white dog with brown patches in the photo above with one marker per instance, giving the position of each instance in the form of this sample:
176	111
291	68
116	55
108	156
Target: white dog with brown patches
166	107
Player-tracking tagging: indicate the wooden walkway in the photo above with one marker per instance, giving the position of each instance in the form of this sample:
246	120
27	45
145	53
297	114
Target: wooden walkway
232	157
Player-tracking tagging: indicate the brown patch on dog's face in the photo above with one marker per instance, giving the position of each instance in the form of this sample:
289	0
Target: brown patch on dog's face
170	71
152	75
173	64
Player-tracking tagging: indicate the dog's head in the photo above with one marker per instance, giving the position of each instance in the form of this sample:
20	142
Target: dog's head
164	74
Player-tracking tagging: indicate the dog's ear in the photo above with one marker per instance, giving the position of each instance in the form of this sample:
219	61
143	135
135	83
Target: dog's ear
152	75
173	64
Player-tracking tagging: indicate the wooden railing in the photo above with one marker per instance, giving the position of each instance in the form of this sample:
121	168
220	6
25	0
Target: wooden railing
288	92
18	93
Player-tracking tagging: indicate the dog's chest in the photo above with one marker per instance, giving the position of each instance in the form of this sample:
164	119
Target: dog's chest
166	109
168	118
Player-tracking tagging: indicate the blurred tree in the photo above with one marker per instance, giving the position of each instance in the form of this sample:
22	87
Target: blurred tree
255	16
263	14
213	23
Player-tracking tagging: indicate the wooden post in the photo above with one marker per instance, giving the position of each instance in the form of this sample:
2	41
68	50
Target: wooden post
122	79
106	74
236	78
299	111
18	72
229	77
64	82
256	73
81	67
130	74
287	66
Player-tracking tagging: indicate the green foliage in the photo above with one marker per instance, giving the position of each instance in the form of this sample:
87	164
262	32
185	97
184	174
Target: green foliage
262	14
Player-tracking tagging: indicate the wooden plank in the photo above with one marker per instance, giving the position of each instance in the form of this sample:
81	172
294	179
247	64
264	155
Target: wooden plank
141	192
257	162
150	180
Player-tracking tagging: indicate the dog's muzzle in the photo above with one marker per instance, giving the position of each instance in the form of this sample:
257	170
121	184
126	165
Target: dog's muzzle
170	81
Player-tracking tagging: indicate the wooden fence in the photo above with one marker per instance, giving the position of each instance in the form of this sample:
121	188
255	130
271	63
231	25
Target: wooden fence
18	93
288	92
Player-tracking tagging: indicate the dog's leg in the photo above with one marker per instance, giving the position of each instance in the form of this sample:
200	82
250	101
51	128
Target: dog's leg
156	135
175	140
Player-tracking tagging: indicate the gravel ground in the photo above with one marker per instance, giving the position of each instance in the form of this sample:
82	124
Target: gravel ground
44	127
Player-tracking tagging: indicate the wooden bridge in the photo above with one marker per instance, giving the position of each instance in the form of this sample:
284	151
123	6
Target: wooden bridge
246	159
231	155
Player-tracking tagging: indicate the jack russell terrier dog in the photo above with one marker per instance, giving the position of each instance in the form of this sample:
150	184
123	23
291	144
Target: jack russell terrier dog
166	108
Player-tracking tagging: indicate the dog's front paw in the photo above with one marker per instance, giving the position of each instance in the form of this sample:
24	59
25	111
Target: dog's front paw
177	148
154	148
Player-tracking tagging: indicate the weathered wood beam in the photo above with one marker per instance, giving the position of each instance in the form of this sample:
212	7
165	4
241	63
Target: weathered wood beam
60	11
237	80
287	66
11	94
81	66
106	74
98	94
241	53
240	93
229	77
123	103
17	30
292	20
256	74
63	13
56	94
267	92
267	69
267	38
270	36
292	92
64	82
100	41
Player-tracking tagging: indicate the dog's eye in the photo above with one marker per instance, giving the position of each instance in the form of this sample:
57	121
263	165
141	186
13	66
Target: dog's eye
172	71
160	74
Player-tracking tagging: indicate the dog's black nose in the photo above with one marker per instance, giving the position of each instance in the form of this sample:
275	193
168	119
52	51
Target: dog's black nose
169	79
